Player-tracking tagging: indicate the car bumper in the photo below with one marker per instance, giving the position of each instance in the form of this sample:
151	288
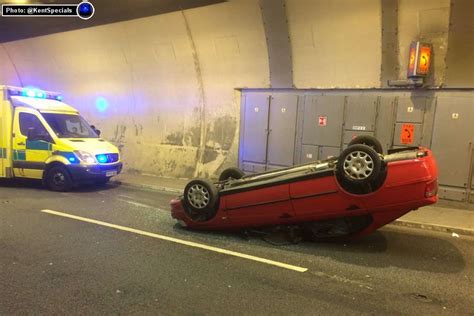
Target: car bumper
94	172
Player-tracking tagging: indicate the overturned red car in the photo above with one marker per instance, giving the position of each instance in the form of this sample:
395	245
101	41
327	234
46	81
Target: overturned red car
350	195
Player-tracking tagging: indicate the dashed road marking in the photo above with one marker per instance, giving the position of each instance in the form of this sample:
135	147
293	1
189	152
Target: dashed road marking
180	241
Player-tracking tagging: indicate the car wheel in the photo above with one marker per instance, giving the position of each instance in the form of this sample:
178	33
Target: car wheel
369	141
232	173
200	200
58	179
358	165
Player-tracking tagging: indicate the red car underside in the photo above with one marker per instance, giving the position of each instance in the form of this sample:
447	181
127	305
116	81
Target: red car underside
302	197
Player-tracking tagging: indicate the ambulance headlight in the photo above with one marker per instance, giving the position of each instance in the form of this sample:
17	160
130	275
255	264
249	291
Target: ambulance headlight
86	157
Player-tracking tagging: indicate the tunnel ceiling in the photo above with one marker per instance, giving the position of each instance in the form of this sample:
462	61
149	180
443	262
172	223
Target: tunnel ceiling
106	11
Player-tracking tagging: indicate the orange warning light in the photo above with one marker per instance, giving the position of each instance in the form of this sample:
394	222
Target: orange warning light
411	62
424	60
419	60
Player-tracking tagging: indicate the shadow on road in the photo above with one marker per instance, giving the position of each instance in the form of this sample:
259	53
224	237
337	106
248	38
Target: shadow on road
411	250
391	248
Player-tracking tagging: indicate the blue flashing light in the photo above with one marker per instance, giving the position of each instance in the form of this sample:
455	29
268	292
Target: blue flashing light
101	104
102	158
59	98
29	93
40	94
72	159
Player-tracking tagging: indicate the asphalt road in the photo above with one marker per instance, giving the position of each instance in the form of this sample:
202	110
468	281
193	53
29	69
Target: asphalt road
51	264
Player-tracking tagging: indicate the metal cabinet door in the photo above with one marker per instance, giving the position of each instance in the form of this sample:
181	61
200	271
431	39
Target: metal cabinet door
282	127
385	121
255	128
360	112
323	117
411	109
452	139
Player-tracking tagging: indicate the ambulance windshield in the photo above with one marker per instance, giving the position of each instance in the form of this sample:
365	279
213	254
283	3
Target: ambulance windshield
69	125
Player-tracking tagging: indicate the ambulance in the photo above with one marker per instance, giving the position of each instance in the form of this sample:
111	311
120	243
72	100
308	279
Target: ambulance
43	138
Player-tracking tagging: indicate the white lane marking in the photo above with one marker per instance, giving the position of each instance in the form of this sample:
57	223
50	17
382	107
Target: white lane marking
180	241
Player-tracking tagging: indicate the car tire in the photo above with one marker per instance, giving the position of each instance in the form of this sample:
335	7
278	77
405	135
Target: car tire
232	173
370	141
200	200
358	166
58	179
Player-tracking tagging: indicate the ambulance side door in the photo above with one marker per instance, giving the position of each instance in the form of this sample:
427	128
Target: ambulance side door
32	144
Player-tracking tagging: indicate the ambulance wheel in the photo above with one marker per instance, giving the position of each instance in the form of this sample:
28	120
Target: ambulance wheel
358	166
368	140
200	200
232	173
58	179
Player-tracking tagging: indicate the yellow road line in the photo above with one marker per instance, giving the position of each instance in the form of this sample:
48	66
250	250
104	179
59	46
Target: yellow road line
180	241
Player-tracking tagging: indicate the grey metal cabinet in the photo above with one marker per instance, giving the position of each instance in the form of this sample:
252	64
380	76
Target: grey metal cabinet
453	139
309	153
255	128
323	117
282	129
411	109
360	112
268	131
385	120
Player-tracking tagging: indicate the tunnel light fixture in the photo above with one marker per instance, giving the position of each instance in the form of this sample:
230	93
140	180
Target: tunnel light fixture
419	60
419	65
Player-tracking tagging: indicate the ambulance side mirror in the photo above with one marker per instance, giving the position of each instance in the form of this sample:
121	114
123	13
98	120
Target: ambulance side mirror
97	131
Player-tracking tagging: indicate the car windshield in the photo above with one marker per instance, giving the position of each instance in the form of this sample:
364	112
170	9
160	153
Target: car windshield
69	126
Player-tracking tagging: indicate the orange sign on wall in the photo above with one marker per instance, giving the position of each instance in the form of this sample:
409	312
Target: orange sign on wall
407	134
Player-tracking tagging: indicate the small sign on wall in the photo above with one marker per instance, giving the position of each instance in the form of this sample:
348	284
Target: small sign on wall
407	134
323	121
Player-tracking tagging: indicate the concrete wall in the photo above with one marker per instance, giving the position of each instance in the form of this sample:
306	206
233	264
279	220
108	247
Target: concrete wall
162	87
335	43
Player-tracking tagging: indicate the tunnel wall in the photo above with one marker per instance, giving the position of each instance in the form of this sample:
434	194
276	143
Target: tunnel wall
335	44
163	88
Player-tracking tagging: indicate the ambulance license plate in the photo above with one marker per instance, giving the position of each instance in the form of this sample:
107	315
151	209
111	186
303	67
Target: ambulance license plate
111	173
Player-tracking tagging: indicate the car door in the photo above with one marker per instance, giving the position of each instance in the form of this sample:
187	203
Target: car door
32	144
260	206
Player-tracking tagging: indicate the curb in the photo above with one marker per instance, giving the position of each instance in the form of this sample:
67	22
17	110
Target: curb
398	222
434	227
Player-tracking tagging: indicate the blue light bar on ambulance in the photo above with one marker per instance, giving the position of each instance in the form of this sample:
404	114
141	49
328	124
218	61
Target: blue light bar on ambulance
33	93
